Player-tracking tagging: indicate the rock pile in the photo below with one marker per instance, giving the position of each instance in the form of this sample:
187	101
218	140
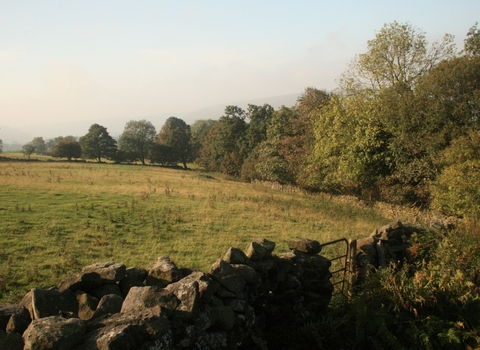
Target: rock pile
386	244
110	306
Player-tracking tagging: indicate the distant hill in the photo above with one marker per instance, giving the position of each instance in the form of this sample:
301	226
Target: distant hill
115	126
10	135
216	111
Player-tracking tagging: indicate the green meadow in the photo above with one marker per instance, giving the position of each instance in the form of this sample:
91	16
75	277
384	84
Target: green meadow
56	217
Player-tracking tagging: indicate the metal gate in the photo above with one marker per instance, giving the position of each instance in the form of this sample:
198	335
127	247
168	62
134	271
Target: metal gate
342	255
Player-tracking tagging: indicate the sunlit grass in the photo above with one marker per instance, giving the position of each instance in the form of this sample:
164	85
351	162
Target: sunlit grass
56	217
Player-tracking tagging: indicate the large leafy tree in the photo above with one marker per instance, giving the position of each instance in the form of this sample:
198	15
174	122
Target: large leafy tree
137	139
67	149
51	143
224	148
289	137
98	143
199	131
376	135
28	150
279	148
443	106
456	189
399	54
351	146
39	144
449	99
472	42
163	155
258	120
175	134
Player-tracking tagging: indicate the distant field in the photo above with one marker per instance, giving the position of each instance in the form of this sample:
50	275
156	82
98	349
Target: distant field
56	217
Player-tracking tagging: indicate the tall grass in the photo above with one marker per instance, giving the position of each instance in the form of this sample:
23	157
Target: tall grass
58	217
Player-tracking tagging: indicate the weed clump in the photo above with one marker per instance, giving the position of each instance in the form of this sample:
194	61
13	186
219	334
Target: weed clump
431	302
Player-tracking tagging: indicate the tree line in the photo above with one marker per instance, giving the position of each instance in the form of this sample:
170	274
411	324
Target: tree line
138	142
402	126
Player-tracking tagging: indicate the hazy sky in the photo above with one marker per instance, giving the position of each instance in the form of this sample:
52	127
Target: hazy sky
80	60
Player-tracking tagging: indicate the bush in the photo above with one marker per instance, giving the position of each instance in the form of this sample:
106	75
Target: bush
248	172
456	190
163	155
431	302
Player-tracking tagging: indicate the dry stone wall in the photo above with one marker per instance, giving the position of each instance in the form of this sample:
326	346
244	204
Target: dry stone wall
385	245
110	306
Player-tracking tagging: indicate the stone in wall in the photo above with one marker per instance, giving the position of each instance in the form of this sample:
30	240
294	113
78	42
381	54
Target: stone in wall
305	245
54	332
7	311
386	244
227	276
94	276
167	307
49	302
259	249
162	272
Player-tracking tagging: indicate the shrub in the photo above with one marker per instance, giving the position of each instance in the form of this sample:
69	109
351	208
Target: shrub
456	189
431	302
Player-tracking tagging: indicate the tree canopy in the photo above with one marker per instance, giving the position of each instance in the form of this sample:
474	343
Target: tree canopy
399	105
399	54
456	191
98	143
225	143
137	139
199	131
39	144
67	149
175	134
28	150
472	42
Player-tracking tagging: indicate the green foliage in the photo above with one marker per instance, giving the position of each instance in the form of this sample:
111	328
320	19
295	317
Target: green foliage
411	147
1	146
430	302
98	144
224	148
67	149
280	154
398	54
28	150
400	104
472	42
456	189
231	164
259	118
199	131
272	166
39	144
449	100
248	172
51	143
163	155
175	134
351	145
137	139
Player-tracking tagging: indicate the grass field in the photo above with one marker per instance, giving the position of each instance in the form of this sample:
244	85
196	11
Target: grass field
56	217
